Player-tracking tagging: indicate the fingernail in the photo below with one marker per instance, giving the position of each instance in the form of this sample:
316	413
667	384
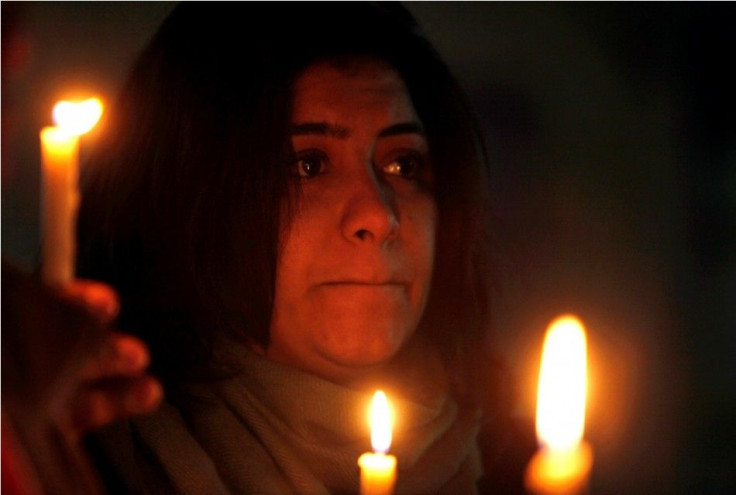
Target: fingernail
133	356
145	397
135	361
151	394
104	302
110	308
155	393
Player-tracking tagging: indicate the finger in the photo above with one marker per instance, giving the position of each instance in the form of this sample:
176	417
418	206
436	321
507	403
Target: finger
99	298
106	402
121	355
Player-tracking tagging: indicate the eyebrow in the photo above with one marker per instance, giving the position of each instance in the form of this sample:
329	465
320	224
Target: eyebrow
319	129
338	131
402	128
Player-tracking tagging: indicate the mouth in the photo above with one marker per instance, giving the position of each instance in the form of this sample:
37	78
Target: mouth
366	287
364	283
359	290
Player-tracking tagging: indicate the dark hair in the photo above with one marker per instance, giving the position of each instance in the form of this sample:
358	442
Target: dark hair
181	208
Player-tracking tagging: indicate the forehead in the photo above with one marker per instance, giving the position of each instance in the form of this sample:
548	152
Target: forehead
335	89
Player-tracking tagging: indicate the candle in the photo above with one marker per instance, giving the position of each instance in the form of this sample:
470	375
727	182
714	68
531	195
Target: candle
562	465
60	195
378	468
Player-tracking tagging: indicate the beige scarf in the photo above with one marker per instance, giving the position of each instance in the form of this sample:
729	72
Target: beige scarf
274	429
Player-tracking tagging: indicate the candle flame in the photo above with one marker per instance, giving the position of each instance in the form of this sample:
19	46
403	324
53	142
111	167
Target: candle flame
562	385
380	420
77	118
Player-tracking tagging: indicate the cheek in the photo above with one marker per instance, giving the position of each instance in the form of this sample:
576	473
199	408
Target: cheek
295	227
427	220
300	242
424	218
290	249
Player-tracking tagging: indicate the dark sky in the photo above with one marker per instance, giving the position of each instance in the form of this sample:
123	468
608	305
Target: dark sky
612	137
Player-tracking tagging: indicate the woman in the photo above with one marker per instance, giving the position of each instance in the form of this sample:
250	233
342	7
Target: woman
292	206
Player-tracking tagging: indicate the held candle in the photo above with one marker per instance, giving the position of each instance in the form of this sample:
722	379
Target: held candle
59	156
378	468
562	465
60	195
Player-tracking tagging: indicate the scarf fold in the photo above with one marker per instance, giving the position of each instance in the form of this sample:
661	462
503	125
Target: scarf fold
274	429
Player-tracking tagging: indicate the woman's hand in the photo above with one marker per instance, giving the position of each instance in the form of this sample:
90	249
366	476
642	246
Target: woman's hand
113	383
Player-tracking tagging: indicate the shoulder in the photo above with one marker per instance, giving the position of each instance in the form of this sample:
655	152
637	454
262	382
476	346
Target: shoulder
151	454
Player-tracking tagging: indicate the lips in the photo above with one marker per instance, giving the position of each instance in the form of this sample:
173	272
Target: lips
356	290
364	273
366	282
363	282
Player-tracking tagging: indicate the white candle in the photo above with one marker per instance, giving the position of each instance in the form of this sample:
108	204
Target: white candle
378	468
60	197
563	463
60	192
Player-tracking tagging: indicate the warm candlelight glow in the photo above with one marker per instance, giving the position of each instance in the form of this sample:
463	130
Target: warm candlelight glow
60	195
77	118
563	463
380	420
378	469
562	385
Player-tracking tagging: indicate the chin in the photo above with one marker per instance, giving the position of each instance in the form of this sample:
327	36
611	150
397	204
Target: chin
364	344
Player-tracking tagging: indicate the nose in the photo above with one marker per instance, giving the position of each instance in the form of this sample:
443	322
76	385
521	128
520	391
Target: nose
371	214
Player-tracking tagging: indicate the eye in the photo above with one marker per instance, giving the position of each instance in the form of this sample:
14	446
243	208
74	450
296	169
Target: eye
309	164
406	166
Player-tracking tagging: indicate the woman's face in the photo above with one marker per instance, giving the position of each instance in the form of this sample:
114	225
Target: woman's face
356	257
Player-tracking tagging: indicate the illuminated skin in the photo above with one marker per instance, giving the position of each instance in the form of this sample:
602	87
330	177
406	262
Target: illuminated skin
112	383
355	262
